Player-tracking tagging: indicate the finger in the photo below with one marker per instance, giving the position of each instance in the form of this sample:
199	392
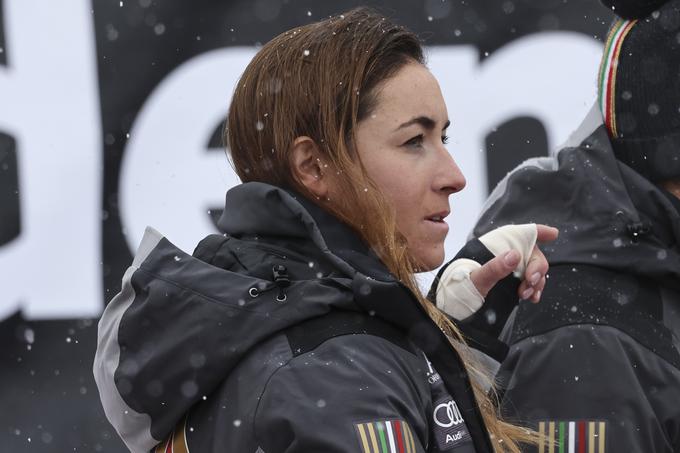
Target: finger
537	267
545	233
525	290
493	271
538	293
540	286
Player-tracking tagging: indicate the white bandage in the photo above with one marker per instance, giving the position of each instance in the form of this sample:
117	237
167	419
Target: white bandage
456	295
512	237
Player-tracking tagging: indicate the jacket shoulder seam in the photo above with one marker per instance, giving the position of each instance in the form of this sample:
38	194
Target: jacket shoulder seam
374	335
620	331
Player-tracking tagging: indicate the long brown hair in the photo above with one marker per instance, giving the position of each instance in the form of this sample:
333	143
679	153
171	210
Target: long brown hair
320	80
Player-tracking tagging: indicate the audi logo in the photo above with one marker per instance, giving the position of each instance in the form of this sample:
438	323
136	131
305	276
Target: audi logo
447	414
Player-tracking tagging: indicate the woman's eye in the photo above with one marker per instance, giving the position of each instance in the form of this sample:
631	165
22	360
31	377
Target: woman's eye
445	139
415	141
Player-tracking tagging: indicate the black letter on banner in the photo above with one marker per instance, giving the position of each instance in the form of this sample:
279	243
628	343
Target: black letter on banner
512	143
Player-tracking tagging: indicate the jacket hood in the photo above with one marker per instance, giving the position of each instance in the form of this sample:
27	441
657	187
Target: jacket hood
180	325
608	215
270	212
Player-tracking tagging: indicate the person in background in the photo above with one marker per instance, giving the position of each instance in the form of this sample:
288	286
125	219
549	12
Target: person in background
301	328
595	367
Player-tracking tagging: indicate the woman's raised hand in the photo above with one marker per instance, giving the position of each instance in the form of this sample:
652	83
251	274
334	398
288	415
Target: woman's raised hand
534	268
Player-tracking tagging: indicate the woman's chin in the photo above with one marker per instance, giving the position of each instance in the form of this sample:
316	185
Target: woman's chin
431	260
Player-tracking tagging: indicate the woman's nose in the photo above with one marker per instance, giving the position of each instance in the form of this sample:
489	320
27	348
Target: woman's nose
450	179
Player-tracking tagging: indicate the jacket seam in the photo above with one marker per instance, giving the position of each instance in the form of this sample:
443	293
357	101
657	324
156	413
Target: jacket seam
217	250
358	333
571	324
260	398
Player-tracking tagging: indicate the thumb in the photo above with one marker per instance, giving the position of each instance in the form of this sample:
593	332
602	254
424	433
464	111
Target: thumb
494	271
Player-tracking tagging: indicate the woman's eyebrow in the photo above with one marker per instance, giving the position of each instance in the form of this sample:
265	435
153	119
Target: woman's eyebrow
425	121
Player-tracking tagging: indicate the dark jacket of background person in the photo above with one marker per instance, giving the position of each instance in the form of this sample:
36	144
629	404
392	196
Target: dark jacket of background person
596	363
284	334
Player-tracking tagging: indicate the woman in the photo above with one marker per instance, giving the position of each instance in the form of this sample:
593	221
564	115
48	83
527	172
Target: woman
301	328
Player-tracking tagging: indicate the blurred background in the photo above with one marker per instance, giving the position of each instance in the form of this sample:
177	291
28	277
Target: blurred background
110	120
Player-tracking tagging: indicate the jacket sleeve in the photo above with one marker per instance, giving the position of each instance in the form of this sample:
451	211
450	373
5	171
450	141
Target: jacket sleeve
588	384
351	394
482	329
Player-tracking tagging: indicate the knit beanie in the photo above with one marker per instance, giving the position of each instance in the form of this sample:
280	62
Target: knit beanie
639	86
633	9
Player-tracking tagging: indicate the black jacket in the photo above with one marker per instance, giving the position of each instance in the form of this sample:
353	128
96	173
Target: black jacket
599	355
284	334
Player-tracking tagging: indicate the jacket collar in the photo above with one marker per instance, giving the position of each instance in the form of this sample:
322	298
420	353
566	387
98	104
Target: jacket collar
274	214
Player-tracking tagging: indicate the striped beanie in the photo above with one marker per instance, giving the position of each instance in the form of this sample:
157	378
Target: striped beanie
639	86
633	9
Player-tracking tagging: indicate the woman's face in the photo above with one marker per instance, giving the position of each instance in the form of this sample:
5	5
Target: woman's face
401	145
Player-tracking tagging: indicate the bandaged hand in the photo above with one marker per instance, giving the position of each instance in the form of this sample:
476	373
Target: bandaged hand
464	283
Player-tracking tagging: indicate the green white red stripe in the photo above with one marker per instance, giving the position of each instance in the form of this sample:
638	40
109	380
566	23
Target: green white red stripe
573	436
388	436
608	68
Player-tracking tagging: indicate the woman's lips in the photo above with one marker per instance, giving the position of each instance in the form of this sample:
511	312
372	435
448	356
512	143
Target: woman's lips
437	225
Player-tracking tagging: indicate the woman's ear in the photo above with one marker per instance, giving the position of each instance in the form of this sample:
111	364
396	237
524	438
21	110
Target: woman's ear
307	167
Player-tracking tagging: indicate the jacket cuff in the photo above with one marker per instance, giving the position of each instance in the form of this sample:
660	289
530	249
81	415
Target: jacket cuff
482	328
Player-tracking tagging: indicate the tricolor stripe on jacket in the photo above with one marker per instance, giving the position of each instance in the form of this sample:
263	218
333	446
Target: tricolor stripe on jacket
389	436
575	436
